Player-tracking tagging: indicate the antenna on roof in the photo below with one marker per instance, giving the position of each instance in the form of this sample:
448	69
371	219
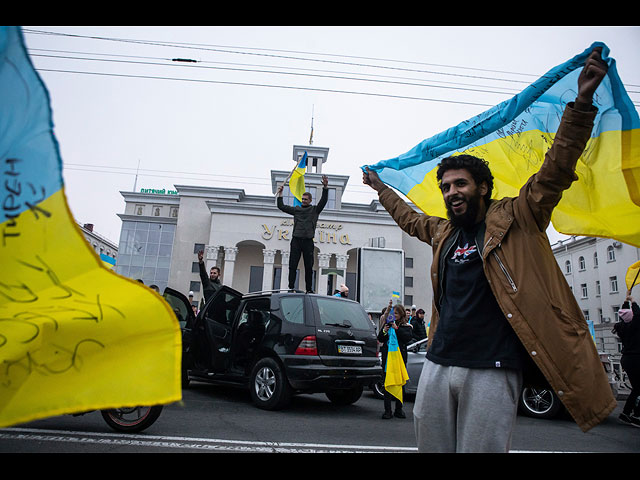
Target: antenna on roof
311	137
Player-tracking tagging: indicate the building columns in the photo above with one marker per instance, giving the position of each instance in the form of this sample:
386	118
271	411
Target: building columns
230	254
212	256
267	272
323	262
284	270
341	265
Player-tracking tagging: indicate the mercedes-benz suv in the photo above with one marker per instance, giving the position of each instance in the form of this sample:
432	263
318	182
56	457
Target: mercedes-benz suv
278	344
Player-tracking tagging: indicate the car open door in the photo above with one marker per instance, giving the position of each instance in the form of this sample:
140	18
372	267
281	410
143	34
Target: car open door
213	329
181	307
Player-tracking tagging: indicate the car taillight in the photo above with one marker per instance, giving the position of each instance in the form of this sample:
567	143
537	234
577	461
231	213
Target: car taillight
307	346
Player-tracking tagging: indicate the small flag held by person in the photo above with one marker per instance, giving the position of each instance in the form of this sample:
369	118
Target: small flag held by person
296	182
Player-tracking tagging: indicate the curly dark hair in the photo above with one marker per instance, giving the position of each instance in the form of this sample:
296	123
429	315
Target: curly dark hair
477	167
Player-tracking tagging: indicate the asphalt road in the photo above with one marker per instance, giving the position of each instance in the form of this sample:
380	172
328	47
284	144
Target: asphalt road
223	419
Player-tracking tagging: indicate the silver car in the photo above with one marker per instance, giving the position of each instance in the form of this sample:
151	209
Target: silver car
533	402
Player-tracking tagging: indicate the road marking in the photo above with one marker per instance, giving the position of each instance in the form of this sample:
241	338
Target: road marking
189	442
195	443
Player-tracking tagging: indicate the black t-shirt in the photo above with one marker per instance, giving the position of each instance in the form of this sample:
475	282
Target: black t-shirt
472	331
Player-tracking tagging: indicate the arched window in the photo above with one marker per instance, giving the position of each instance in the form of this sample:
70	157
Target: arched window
611	254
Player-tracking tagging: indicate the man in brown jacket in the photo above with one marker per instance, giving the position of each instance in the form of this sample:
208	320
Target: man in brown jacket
501	306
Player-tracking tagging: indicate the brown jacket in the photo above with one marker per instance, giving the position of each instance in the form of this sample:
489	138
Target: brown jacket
525	278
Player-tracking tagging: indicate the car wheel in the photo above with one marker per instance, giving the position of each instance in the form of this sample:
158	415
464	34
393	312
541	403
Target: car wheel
378	389
270	389
539	403
133	419
345	397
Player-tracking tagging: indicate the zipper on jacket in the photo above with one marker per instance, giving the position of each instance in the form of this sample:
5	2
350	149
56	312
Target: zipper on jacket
506	273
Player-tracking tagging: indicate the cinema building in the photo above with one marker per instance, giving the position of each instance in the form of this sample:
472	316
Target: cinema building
248	237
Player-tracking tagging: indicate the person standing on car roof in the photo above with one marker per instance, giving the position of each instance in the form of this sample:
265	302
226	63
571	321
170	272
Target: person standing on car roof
305	218
490	322
211	283
403	334
628	331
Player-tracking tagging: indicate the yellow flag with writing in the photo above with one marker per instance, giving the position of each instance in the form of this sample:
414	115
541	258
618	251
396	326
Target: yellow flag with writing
74	336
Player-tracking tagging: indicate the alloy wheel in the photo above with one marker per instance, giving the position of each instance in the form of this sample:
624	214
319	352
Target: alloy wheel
265	383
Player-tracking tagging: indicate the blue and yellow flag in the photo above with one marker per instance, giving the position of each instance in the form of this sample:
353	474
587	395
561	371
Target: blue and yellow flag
631	277
296	182
108	261
514	137
74	336
396	371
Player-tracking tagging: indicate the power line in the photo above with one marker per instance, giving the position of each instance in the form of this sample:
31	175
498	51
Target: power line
226	49
395	78
248	84
333	77
199	176
200	46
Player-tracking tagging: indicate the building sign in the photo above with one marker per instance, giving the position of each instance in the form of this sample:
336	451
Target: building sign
325	232
159	192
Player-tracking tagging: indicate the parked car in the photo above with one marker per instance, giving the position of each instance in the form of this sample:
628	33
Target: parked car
533	402
278	344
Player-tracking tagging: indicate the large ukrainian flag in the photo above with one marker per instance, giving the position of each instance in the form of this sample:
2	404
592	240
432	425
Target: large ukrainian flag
514	137
73	335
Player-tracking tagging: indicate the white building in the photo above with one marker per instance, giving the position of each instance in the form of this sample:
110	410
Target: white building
595	269
248	237
104	248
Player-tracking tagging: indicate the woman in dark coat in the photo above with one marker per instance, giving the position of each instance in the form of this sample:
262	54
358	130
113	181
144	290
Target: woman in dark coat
403	333
628	330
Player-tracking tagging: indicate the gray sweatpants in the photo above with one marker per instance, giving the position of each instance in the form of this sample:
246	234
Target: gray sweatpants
461	409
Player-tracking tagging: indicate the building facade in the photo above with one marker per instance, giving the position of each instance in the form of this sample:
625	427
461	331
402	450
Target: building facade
104	248
248	237
595	269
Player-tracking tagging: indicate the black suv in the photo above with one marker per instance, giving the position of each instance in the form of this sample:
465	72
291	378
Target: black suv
278	344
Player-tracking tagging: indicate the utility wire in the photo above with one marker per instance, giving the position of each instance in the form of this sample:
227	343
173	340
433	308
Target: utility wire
325	90
395	78
198	46
199	176
333	77
226	49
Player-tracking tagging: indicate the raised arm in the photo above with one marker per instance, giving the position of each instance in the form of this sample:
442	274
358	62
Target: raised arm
415	224
543	191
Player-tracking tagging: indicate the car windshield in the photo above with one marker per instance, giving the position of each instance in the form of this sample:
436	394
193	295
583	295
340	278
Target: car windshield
342	313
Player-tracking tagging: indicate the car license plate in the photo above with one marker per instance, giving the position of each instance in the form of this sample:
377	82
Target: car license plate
349	349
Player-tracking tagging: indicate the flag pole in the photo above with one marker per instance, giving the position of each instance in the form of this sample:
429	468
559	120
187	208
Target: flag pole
634	280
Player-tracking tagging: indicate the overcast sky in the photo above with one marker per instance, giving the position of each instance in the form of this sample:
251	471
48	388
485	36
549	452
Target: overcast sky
119	99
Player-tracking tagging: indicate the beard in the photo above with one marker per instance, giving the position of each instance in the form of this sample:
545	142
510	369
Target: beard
467	219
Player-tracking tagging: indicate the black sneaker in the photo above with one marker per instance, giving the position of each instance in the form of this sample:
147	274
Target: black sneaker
629	420
399	413
387	414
